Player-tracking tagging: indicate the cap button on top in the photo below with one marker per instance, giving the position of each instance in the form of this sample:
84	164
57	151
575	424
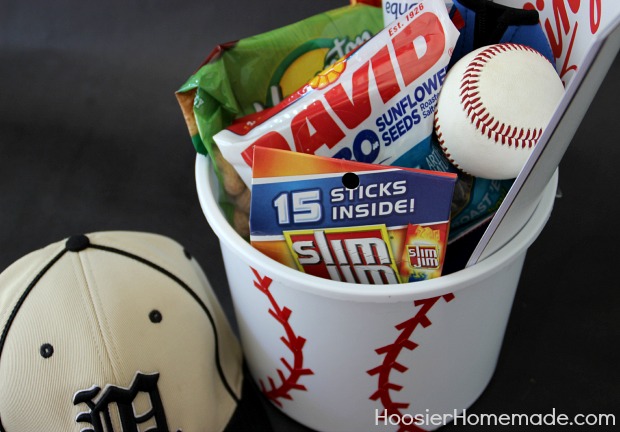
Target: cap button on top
77	243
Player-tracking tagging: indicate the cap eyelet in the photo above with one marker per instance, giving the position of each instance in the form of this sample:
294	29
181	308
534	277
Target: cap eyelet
46	350
155	316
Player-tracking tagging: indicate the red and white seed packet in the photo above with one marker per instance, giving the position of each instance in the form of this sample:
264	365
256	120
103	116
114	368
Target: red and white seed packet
374	106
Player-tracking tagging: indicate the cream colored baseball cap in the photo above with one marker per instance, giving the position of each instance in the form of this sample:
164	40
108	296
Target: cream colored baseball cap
114	331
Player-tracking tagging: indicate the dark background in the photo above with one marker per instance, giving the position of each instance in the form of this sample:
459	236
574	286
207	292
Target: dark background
92	139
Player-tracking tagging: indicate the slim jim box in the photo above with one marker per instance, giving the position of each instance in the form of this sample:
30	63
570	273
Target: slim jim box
337	356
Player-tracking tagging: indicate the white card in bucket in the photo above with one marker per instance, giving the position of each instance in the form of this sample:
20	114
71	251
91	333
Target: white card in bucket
585	54
350	221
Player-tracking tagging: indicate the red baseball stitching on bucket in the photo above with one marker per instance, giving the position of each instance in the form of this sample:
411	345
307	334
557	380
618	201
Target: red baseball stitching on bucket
390	361
484	121
293	342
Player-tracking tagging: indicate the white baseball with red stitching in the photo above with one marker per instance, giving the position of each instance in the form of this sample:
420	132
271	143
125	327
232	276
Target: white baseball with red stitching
493	107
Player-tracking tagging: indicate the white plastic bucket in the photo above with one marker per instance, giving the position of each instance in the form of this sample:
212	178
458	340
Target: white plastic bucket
339	357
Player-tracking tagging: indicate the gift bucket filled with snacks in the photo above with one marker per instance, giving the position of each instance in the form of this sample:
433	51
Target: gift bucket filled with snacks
338	196
337	356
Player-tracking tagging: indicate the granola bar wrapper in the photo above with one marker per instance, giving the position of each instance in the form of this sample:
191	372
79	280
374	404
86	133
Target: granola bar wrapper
246	76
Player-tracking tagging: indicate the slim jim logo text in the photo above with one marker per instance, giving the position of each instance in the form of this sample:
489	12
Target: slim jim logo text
355	255
336	120
423	256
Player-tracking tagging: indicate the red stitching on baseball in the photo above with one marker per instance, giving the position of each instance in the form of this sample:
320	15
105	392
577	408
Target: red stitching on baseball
390	361
293	342
487	125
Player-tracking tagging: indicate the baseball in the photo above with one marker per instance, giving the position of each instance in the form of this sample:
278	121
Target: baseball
493	107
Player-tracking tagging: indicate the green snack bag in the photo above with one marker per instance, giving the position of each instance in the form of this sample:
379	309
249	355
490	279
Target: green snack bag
246	76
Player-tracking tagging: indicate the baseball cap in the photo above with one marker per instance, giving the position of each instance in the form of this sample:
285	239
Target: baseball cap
114	331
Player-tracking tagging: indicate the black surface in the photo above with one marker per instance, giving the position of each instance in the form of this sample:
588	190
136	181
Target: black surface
92	139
